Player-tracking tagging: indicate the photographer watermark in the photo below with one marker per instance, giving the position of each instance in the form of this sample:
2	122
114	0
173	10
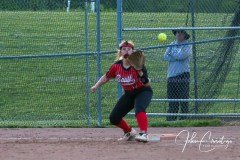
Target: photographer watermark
206	143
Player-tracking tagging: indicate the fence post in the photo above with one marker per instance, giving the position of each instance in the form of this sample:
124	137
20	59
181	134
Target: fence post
192	6
92	5
98	37
238	86
119	35
87	64
68	5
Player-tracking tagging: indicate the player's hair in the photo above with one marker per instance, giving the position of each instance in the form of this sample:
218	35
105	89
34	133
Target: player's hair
123	43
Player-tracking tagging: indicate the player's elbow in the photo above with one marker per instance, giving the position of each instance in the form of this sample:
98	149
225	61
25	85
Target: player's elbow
104	79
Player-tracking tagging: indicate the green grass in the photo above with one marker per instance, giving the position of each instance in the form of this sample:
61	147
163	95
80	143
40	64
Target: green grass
52	92
155	122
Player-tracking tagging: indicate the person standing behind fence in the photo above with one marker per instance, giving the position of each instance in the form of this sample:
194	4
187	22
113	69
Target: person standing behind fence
178	75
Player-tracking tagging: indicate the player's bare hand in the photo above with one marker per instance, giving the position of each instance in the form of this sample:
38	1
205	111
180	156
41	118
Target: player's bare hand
93	89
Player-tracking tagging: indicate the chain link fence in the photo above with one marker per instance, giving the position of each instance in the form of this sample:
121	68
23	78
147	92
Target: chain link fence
214	63
53	51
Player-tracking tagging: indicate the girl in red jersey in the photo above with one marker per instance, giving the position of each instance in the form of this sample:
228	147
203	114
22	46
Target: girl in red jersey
138	93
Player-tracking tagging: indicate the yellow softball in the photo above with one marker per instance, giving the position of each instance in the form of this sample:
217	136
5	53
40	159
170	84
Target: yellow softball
162	37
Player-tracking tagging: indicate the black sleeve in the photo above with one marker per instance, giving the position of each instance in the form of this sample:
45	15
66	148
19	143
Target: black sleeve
144	77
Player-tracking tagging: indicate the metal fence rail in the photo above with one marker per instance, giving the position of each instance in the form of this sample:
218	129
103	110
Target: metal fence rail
181	28
197	100
208	115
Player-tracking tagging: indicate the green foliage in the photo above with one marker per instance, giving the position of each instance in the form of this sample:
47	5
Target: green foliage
38	5
213	6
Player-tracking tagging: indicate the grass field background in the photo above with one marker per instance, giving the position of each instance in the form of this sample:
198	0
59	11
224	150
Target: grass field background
53	91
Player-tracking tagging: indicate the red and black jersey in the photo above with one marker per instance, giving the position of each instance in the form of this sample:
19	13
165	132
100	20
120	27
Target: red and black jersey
128	78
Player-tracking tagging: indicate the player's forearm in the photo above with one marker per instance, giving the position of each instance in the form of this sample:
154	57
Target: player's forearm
101	81
144	75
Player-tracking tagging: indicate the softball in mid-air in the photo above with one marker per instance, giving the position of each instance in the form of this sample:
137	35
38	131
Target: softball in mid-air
162	37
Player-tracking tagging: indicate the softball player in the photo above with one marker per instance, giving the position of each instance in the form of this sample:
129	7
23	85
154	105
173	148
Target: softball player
137	95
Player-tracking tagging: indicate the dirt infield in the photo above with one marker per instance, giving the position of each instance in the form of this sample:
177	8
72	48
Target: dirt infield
102	144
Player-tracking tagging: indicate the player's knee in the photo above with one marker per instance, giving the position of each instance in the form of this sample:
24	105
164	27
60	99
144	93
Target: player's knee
114	120
140	109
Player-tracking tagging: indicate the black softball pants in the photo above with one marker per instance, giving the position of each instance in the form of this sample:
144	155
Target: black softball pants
138	99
